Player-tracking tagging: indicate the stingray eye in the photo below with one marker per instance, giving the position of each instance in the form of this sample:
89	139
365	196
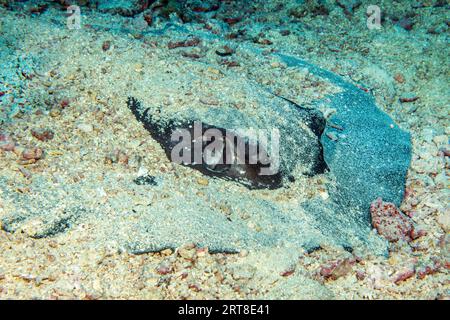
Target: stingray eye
219	160
213	160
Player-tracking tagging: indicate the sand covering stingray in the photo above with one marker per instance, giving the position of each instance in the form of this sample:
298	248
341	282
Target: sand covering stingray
369	159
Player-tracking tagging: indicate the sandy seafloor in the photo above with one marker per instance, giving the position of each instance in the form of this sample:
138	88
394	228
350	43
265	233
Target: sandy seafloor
78	93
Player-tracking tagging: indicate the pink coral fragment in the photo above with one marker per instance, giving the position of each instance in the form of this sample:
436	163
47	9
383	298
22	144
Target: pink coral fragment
391	223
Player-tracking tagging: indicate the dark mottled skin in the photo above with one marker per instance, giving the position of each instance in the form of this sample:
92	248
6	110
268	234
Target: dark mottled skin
246	174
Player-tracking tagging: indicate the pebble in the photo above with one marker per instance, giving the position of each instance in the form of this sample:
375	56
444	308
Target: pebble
404	275
187	252
399	78
336	269
85	127
213	70
408	97
64	103
202	252
202	181
324	194
275	64
6	143
263	41
243	253
32	154
106	45
164	268
166	252
42	134
390	222
55	113
225	51
138	67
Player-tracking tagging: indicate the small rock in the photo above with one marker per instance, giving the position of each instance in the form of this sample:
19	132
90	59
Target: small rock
275	64
85	127
202	181
166	252
32	154
408	97
391	223
138	67
214	71
336	269
55	113
187	252
202	252
6	142
164	268
230	64
64	103
399	78
148	19
360	275
263	41
42	134
404	275
195	287
243	253
225	51
428	270
288	272
106	45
